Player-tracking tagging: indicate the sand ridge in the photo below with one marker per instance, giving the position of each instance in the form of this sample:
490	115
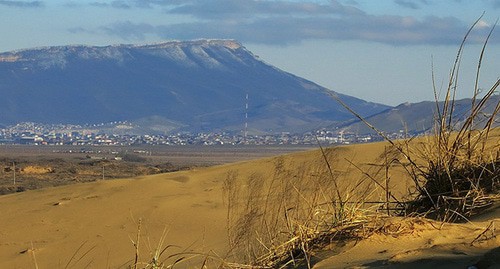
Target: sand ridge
422	243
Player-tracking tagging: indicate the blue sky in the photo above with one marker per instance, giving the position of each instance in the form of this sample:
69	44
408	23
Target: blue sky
377	50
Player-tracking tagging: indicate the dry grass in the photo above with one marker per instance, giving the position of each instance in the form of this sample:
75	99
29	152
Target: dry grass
281	221
462	163
162	256
37	170
455	172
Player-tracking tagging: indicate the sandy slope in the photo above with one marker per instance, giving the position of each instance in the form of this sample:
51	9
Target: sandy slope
91	225
420	243
102	216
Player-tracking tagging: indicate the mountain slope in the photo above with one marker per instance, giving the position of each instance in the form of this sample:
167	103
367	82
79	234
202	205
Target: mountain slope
419	117
195	85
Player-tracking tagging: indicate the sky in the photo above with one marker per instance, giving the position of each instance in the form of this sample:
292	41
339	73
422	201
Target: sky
383	51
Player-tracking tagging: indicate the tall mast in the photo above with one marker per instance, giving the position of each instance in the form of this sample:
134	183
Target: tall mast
246	120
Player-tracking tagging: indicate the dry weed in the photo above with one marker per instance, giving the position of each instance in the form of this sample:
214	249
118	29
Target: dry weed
458	168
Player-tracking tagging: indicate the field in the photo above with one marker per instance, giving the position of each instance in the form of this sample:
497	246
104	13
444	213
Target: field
34	167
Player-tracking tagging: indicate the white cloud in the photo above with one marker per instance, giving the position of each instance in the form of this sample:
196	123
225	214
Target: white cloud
482	24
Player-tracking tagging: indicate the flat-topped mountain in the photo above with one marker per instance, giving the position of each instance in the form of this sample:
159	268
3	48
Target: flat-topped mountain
193	85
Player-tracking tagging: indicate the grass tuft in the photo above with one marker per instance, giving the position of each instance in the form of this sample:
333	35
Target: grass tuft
456	170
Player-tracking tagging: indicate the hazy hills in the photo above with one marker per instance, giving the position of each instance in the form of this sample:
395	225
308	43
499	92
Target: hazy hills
192	85
420	117
183	86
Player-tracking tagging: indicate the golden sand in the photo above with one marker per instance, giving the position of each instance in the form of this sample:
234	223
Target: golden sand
94	225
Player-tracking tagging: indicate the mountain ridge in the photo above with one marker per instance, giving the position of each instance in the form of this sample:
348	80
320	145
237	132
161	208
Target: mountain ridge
199	85
420	117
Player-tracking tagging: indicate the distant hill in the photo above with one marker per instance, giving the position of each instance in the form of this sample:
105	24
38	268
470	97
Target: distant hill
418	117
194	86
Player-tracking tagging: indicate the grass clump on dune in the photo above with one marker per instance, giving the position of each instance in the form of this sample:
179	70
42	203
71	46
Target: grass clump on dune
456	170
461	171
280	220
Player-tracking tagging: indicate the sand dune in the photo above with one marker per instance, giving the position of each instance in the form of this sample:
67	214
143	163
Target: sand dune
421	243
103	215
92	225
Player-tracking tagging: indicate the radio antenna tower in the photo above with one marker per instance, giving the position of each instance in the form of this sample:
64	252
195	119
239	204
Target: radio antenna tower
246	120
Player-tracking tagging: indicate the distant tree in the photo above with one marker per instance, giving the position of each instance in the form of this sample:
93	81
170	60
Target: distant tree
133	158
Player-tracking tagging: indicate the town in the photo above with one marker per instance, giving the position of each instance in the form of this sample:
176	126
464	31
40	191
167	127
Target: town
29	133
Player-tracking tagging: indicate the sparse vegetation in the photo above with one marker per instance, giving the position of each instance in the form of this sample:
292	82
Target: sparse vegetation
455	172
462	159
460	173
280	221
40	172
128	157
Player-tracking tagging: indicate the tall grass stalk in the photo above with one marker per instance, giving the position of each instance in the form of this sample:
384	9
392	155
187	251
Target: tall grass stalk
456	170
282	220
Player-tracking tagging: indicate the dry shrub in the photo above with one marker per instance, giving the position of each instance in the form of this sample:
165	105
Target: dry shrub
462	163
459	179
36	170
457	169
281	219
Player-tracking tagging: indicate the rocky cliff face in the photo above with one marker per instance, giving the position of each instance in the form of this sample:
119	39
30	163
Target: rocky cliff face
192	85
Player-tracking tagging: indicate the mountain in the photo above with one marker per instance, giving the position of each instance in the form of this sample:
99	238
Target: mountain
419	117
192	85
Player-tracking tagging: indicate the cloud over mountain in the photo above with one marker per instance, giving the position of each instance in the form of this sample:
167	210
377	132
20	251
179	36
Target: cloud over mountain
288	22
